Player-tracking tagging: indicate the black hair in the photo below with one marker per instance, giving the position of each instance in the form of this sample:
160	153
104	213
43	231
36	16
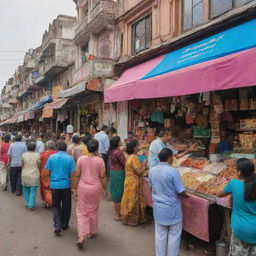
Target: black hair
42	135
62	146
87	138
114	142
246	168
18	138
31	146
7	138
62	138
93	146
130	132
164	131
130	146
164	154
104	127
113	130
76	139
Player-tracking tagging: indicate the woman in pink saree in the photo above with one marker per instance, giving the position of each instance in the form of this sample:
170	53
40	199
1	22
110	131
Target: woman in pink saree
88	191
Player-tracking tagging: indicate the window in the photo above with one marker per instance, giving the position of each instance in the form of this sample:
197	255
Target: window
219	7
141	35
85	51
193	13
239	3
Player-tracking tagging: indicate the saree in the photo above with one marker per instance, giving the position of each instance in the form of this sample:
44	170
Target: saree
45	190
133	202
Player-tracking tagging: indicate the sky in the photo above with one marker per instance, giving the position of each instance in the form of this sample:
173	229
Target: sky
22	25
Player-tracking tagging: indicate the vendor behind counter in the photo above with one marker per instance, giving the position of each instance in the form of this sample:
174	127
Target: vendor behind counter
226	143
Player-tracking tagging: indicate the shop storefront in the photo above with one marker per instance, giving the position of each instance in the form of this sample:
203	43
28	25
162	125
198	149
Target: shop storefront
205	93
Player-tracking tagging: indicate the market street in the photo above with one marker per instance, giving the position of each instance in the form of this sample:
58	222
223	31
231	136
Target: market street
30	233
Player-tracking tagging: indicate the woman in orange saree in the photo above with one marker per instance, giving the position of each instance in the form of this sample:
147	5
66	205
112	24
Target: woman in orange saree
133	202
45	190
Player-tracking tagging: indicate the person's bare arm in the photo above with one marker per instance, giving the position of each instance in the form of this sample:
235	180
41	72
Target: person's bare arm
187	151
103	180
221	193
77	175
143	168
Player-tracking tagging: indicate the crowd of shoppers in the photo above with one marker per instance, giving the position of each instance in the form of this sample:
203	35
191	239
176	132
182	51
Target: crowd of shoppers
80	165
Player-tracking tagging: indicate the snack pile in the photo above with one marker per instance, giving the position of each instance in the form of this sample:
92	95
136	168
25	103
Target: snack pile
195	163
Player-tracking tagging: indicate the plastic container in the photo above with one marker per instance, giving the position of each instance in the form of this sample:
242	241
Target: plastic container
221	248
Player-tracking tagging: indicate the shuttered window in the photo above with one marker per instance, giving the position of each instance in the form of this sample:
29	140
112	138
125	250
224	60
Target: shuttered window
141	35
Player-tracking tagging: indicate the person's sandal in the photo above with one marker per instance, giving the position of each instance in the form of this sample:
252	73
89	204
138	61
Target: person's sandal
80	244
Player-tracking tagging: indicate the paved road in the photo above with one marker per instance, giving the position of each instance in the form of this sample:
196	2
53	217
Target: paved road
25	233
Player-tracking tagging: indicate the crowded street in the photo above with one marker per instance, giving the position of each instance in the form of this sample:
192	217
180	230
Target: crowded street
128	127
29	233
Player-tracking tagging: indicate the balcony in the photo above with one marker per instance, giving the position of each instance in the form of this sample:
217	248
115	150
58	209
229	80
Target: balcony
100	17
54	66
93	69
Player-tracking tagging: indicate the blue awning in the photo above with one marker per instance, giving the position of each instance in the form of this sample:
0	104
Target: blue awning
236	39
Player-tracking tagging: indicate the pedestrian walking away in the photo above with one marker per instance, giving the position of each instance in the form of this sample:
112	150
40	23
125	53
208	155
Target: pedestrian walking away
30	175
15	153
92	182
4	159
45	189
167	188
117	174
61	166
103	140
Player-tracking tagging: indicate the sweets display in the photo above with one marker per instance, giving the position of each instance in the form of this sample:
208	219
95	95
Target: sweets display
212	186
190	181
195	163
193	179
214	168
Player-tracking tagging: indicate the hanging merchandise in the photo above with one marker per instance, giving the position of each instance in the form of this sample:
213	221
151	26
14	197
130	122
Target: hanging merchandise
157	116
206	98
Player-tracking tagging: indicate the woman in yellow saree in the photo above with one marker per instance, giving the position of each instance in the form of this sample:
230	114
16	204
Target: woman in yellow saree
133	203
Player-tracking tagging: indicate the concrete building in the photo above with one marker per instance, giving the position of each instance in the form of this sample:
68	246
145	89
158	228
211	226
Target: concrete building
94	66
46	71
149	28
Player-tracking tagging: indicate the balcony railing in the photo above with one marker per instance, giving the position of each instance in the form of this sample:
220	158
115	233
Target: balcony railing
93	69
101	14
103	7
82	25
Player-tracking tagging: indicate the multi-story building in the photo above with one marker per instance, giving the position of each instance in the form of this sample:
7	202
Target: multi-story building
46	71
149	29
94	66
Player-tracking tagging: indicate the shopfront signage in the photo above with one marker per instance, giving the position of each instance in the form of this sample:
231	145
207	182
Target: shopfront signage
81	74
56	89
236	39
73	90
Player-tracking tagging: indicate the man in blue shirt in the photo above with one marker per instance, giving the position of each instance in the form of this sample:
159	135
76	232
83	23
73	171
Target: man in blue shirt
61	165
15	153
167	188
163	142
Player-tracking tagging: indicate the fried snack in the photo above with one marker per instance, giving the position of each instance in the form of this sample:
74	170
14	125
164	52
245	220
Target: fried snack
217	183
212	186
195	163
190	181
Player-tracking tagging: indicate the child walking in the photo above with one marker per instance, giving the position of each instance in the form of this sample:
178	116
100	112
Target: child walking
30	175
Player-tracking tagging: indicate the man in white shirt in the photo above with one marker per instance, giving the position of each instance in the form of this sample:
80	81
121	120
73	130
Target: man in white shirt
40	144
163	142
103	139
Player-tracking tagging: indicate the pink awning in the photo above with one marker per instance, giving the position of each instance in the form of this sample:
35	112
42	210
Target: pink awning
232	71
